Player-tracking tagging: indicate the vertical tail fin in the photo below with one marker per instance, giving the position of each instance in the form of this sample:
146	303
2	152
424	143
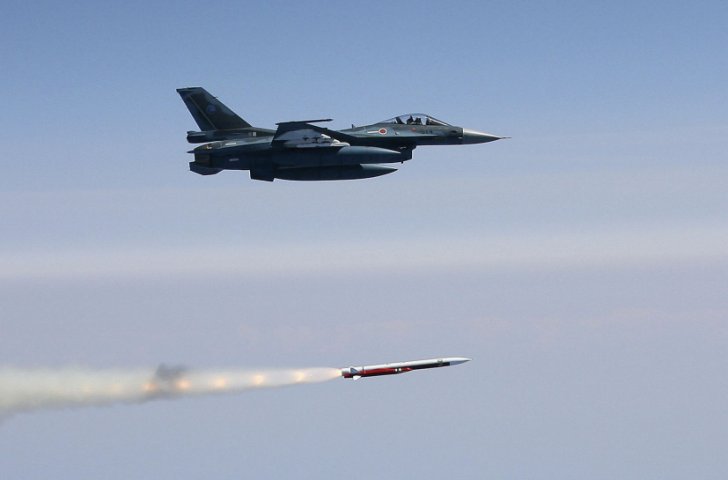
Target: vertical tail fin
209	112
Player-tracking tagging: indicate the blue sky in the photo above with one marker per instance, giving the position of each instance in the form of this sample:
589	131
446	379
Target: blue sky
582	264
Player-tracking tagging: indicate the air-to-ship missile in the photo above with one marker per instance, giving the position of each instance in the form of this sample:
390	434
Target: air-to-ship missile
399	367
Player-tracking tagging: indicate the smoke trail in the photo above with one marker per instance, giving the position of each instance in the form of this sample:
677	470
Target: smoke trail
32	389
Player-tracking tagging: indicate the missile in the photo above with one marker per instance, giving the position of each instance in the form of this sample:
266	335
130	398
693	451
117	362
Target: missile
400	367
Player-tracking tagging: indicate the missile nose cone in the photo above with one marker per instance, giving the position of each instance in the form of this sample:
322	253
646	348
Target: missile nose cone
473	136
458	360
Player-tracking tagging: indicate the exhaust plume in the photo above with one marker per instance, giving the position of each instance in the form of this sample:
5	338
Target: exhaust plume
34	389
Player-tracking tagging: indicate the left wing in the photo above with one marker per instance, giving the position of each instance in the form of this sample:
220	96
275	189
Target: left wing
302	133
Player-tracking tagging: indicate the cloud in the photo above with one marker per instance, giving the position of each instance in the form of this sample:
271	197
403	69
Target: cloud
526	250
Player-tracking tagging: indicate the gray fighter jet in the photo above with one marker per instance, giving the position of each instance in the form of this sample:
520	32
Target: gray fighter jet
301	150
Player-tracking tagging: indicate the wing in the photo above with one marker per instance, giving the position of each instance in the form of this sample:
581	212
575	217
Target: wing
302	134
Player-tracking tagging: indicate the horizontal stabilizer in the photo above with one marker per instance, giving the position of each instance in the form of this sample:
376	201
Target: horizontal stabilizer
203	170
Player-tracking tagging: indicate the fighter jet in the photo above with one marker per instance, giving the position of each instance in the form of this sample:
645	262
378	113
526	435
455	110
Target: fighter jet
302	150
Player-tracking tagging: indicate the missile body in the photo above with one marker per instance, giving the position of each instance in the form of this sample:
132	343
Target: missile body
399	367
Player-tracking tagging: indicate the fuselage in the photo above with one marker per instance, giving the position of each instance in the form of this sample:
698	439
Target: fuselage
405	136
387	142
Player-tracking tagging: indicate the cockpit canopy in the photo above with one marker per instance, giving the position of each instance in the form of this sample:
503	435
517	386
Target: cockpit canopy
415	119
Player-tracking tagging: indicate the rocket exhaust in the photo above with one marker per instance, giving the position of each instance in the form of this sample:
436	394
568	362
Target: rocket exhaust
34	389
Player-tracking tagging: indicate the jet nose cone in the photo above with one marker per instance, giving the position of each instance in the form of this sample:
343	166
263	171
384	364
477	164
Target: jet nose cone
473	136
